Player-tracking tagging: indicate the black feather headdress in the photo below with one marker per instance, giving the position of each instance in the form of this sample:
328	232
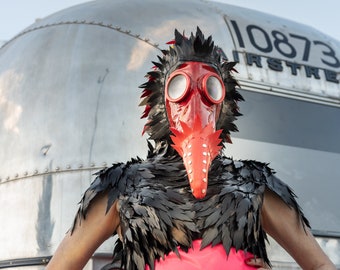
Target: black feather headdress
183	49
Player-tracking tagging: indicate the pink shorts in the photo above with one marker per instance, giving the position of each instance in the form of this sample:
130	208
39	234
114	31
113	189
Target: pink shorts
207	258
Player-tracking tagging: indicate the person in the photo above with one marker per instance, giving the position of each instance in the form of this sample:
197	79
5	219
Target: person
187	206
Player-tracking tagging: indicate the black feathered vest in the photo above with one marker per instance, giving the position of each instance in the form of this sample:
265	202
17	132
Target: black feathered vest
158	213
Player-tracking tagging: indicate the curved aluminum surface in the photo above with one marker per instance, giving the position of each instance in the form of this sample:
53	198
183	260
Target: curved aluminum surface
68	106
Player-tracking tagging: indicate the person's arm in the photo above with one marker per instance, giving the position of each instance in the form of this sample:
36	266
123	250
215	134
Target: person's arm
77	248
283	224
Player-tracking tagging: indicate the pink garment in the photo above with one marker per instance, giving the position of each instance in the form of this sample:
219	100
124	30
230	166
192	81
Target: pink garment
208	258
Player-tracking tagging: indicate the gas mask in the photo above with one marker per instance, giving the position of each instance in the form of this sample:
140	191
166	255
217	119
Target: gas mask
193	96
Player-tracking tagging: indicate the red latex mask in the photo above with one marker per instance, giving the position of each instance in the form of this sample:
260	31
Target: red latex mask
193	96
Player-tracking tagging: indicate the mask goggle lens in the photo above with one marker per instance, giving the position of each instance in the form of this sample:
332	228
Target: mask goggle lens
177	86
213	88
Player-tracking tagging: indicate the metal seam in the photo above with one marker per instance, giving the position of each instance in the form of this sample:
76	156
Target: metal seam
84	22
56	170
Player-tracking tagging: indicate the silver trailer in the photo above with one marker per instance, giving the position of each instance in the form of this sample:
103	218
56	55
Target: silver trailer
69	106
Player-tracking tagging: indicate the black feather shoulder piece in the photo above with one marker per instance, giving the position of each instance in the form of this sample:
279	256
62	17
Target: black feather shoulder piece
158	214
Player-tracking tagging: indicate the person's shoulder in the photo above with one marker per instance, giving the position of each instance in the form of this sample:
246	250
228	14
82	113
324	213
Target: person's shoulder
261	174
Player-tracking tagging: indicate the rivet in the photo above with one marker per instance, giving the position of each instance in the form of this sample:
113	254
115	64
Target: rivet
25	173
204	170
189	146
7	178
204	180
204	153
35	172
190	162
192	190
204	145
204	161
204	191
190	180
185	155
104	163
46	170
190	171
16	175
68	167
80	166
57	168
189	154
92	164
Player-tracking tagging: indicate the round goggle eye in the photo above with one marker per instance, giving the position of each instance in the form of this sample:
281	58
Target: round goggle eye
215	89
177	87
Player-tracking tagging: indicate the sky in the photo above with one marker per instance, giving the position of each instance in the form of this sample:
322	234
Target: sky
15	15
